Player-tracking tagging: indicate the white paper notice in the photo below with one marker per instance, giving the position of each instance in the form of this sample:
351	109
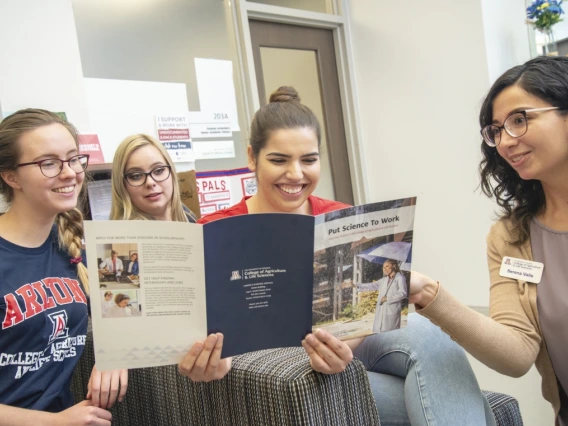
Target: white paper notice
210	124
173	133
216	88
100	198
118	108
214	149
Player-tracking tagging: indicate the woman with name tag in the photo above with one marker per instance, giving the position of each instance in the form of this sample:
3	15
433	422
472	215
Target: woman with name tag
417	374
145	187
44	285
524	124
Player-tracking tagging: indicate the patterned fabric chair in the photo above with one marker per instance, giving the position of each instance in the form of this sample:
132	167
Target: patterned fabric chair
271	387
505	409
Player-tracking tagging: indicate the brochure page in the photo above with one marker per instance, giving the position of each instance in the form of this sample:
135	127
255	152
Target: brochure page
147	291
259	280
157	287
362	262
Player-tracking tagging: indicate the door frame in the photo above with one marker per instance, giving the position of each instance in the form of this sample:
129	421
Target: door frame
243	10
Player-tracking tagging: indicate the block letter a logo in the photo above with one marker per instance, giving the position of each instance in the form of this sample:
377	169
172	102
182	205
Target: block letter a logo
60	329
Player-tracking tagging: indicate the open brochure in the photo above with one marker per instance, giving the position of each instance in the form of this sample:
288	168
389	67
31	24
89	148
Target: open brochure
263	280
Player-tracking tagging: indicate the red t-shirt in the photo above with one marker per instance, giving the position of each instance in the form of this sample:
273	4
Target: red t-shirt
319	206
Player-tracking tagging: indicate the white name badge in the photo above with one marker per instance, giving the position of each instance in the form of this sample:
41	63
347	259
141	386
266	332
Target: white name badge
521	269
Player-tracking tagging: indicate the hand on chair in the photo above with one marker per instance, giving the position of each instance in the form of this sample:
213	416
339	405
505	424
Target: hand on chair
106	387
203	362
327	353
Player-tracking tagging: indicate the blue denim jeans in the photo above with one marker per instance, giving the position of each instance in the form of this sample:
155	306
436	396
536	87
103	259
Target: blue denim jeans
419	376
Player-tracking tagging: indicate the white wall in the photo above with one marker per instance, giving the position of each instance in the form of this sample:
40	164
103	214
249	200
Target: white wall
535	410
506	35
561	29
422	70
40	64
421	73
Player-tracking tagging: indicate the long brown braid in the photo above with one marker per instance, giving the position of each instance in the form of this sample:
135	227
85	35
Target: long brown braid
70	228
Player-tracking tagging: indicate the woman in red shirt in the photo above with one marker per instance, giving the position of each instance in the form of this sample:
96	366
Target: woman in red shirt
417	374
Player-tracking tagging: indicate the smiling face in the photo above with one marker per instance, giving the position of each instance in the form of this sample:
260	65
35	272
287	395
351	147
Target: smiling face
542	152
153	198
287	170
388	269
34	191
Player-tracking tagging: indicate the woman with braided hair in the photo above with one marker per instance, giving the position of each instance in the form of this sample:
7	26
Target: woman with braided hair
44	284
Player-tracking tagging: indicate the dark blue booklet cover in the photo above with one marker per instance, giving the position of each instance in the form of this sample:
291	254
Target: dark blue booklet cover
259	274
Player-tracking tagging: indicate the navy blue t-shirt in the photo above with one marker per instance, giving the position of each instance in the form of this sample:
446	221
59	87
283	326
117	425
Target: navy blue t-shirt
43	314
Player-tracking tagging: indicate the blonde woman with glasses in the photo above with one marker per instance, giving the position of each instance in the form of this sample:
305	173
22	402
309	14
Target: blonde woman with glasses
524	125
145	184
145	187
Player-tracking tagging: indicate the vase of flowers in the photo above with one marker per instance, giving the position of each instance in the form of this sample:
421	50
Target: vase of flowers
544	14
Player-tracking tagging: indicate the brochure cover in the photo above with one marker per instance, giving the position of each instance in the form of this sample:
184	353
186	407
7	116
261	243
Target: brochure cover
362	262
262	280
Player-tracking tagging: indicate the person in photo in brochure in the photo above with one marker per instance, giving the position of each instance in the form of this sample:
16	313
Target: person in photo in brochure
145	187
425	375
44	285
524	127
107	302
392	293
111	265
119	308
132	268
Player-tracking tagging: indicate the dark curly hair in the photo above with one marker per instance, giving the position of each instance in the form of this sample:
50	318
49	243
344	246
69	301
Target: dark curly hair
546	78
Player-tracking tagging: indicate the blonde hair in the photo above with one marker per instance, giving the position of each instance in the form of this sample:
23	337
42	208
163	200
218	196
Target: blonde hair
69	224
122	207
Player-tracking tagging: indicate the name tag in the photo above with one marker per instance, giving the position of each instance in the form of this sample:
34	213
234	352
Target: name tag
521	269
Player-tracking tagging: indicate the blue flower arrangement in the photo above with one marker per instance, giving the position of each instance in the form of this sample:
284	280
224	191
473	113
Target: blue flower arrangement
544	14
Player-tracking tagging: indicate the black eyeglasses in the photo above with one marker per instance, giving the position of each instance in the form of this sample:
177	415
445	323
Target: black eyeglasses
52	167
159	174
516	125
